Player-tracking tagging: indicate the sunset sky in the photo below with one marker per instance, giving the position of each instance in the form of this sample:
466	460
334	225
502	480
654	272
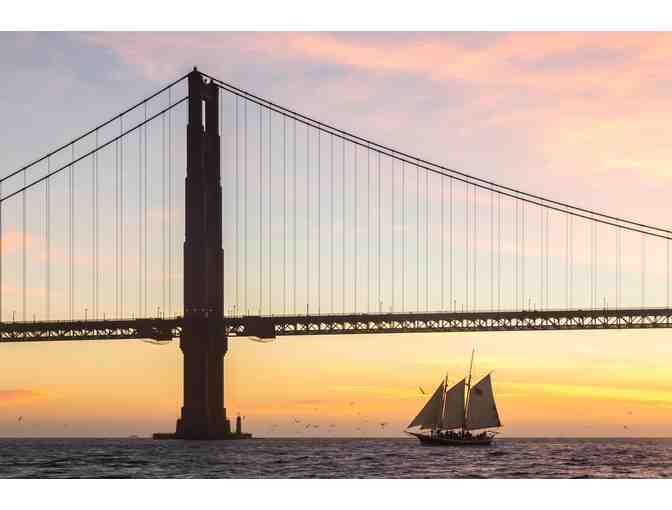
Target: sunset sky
578	117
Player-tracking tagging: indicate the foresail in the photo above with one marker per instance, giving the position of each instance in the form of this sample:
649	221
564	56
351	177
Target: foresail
430	415
453	412
482	412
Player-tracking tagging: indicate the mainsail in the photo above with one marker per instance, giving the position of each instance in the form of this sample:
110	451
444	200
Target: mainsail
482	411
430	415
453	411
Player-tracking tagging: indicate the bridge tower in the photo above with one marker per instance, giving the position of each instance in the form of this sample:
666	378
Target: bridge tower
203	343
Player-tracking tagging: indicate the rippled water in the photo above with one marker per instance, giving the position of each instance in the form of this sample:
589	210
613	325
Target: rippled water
334	458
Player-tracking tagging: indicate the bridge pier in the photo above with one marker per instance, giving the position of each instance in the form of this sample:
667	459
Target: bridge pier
203	342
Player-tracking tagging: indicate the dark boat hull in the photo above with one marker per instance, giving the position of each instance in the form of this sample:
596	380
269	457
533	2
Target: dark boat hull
444	441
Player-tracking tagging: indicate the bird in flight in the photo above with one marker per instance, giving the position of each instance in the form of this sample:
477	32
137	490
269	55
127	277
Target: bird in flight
20	418
422	391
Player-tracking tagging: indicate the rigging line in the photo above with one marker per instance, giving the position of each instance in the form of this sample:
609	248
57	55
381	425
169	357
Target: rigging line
667	270
112	141
91	131
326	127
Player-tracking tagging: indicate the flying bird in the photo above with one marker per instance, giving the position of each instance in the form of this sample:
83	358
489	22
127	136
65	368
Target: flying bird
422	391
383	424
20	418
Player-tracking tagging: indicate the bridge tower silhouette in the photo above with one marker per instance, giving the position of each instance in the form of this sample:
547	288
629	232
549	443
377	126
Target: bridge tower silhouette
203	341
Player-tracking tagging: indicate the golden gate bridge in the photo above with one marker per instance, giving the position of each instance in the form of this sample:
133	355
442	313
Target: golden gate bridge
285	225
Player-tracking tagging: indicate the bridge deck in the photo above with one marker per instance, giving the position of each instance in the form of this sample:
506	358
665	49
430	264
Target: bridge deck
165	329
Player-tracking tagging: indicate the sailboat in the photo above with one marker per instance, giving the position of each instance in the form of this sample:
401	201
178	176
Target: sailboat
451	421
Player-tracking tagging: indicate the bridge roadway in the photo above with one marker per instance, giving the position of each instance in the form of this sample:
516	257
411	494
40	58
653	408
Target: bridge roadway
269	327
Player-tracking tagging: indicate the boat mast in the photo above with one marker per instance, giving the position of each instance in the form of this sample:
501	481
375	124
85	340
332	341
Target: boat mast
466	404
443	403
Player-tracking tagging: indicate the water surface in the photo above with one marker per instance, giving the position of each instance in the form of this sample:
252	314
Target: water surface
333	458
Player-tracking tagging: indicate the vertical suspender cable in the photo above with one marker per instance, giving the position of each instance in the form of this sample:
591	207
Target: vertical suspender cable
121	223
475	249
393	273
270	208
319	222
140	226
404	192
163	211
331	206
245	211
295	200
427	215
443	241
466	238
261	194
236	204
144	212
356	222
170	203
380	210
343	226
417	238
284	215
492	250
452	277
548	273
522	253
307	219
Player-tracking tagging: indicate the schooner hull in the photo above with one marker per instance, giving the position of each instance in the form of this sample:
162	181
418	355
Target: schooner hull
444	441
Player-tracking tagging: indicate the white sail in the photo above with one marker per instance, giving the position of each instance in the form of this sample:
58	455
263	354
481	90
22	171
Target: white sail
453	411
430	415
482	411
